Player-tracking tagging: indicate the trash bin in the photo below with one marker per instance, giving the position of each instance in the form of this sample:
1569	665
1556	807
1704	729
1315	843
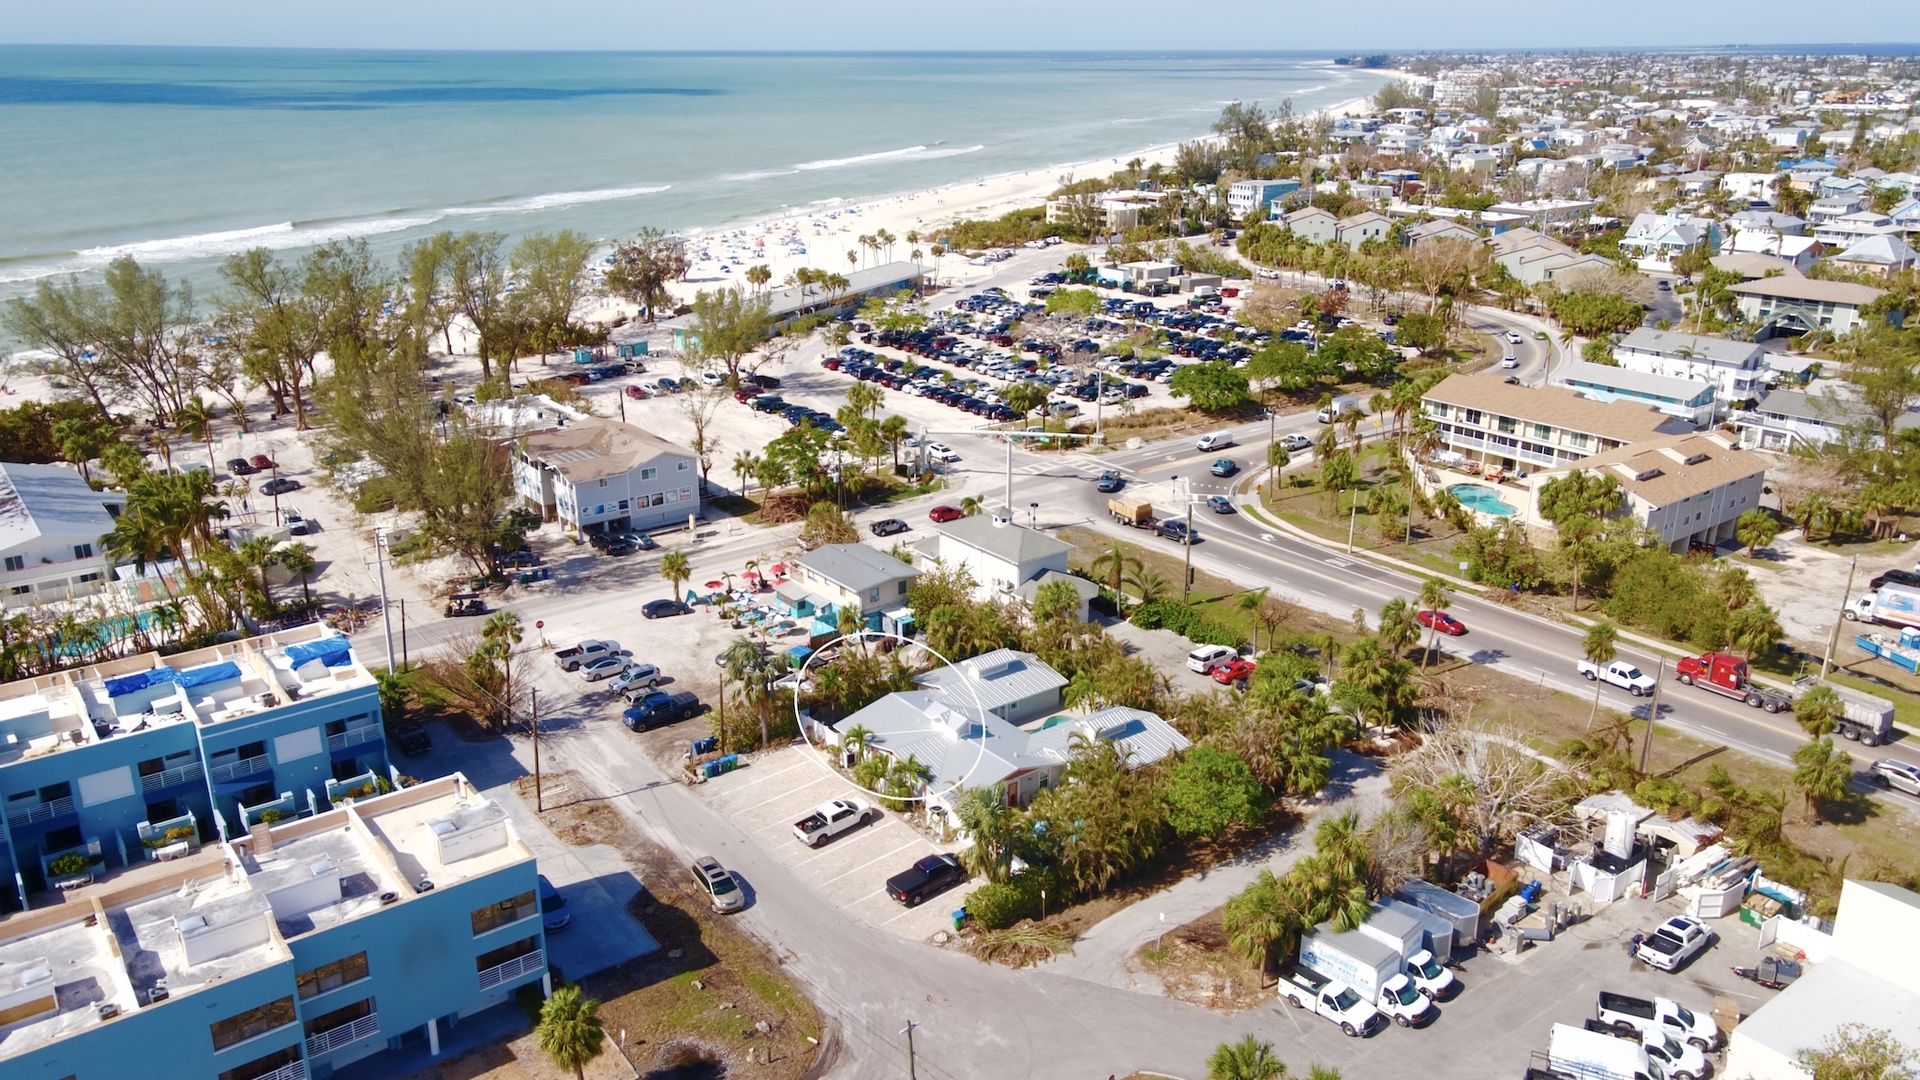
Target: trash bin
959	918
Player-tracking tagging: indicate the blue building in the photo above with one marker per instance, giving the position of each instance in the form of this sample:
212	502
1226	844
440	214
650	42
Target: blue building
284	954
1246	196
1692	400
146	758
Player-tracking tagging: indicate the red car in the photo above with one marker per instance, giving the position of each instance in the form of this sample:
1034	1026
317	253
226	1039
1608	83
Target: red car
945	513
636	393
1442	622
1233	671
262	461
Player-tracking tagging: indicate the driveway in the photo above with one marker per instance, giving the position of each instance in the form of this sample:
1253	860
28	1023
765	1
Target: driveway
851	870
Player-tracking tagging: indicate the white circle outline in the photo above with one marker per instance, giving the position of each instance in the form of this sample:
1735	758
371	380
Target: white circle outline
980	753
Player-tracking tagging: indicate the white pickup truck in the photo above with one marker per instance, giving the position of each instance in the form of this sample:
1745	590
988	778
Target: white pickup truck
1338	1002
1619	673
1674	943
586	651
1657	1016
830	819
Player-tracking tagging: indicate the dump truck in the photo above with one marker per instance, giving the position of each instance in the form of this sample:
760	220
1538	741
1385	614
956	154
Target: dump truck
1727	675
1864	717
1135	512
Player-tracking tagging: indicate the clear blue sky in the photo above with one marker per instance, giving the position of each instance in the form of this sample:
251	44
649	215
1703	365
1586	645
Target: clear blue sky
965	25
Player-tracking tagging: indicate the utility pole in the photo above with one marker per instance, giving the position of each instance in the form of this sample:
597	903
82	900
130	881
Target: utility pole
908	1032
404	661
1353	522
380	560
1653	711
1845	599
533	717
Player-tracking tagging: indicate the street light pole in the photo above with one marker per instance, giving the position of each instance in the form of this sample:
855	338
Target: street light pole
386	614
1186	541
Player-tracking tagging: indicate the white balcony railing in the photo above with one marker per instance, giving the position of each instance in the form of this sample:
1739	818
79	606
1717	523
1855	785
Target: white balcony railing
513	969
292	1070
335	1038
237	769
170	777
41	811
353	737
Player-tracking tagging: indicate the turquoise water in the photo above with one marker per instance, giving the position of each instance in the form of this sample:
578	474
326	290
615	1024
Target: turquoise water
181	156
1482	498
1056	721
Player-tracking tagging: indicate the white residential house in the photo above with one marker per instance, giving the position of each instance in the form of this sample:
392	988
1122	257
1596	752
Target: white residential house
1766	221
1312	224
1794	306
1751	186
1788	420
1686	489
1905	216
51	523
1797	251
1362	227
1003	558
1737	369
1246	196
1833	208
1859	225
1885	255
592	475
1691	400
1655	240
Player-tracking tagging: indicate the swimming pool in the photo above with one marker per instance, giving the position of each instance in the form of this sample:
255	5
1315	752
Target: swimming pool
1482	499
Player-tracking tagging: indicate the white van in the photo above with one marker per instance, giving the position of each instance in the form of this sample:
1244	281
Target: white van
1207	657
1218	440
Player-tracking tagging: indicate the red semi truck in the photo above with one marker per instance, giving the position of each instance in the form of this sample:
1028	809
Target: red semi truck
1726	675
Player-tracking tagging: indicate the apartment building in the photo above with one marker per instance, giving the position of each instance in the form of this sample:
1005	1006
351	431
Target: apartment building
1685	489
284	954
1526	429
1794	306
51	523
1737	369
594	475
146	758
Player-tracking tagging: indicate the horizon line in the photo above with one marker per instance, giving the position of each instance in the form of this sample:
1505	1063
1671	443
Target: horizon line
1785	48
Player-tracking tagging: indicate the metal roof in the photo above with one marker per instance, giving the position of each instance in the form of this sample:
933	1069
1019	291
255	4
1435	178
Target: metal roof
993	680
1143	737
1009	542
51	500
855	567
1718	350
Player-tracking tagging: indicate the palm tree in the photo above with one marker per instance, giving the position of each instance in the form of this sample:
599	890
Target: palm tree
971	505
1821	773
1399	626
758	276
1755	630
195	421
258	553
1148	583
748	664
1597	646
1115	564
1248	1059
1434	597
1819	709
677	569
1576	536
1250	602
136	539
570	1030
857	738
298	559
991	826
1337	474
746	464
503	632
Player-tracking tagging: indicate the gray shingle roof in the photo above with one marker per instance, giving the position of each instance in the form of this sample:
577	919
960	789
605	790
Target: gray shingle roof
856	567
1012	543
1671	343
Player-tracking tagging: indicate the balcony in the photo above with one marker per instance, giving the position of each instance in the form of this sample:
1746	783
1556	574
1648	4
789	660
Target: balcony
353	737
292	1070
182	775
334	1038
525	964
42	811
240	770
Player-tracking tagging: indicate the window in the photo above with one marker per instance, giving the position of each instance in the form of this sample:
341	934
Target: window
16	562
250	750
151	766
903	588
22	590
649	473
318	980
1508	424
684	466
873	594
1542	431
83	551
512	909
1473	416
493	958
84	578
255	1021
1577	438
603	483
340	1017
261	1066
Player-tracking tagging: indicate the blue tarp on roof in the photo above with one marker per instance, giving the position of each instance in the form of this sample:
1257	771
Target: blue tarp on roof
331	651
138	681
200	676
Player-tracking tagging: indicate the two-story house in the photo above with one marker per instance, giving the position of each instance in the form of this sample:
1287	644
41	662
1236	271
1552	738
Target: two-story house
284	954
1312	224
1655	240
51	523
1245	197
1737	369
1686	489
594	475
1004	559
850	577
1525	429
1795	306
1362	227
1788	420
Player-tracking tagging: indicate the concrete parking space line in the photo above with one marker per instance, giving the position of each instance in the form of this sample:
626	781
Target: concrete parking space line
737	788
782	795
843	843
871	861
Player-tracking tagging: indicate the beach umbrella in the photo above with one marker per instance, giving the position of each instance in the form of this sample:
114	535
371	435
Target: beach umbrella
778	568
715	584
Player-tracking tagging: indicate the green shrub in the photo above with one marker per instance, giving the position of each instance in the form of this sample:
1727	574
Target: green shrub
1185	621
73	862
377	494
996	906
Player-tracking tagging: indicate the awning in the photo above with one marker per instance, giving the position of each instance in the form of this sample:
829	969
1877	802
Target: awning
792	592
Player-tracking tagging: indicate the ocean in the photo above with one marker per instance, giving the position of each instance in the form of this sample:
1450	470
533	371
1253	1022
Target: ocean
179	157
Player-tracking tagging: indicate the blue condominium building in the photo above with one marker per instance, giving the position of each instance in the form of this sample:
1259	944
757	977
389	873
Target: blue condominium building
146	758
283	954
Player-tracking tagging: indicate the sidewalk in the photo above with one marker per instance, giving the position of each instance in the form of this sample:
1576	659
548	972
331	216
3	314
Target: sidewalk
1101	954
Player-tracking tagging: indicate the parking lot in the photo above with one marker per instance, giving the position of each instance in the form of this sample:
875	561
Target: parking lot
779	788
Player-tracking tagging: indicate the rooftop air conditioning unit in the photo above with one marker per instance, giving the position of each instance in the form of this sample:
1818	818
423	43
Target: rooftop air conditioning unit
158	992
106	1010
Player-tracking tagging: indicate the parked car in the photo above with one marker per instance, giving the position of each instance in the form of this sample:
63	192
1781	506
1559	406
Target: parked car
941	514
279	486
660	609
1443	622
241	467
604	668
1675	942
411	738
262	461
636	393
1109	481
717	882
636	675
926	877
554	915
1233	671
888	527
1207	657
654	711
295	521
1897	775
